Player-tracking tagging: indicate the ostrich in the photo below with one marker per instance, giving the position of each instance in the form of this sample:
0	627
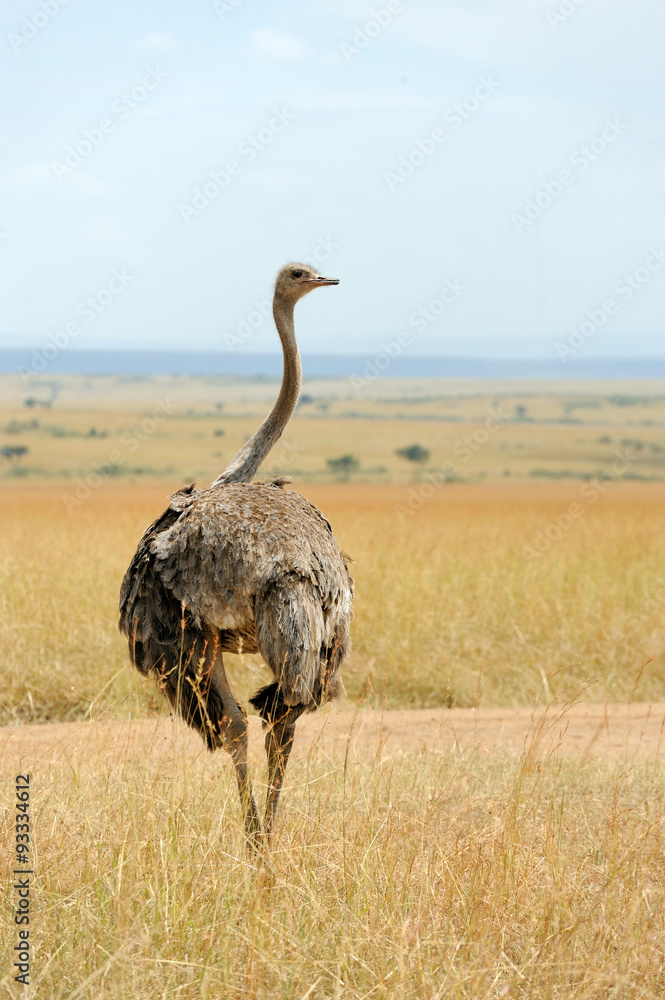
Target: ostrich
244	567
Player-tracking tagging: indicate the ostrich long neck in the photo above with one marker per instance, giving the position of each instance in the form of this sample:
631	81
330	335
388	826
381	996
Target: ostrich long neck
243	467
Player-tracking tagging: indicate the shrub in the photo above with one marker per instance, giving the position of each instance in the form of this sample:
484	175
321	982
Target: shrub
414	453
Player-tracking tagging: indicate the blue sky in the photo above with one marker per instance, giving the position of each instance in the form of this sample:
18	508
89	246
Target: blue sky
540	193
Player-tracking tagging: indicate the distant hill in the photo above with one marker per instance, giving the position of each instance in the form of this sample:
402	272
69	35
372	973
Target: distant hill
142	362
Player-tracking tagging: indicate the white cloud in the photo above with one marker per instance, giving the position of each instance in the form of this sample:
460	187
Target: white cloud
274	181
354	123
277	45
27	177
511	34
170	107
506	33
100	232
356	101
156	41
89	186
30	176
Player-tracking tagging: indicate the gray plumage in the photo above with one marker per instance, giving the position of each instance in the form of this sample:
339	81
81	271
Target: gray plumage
244	567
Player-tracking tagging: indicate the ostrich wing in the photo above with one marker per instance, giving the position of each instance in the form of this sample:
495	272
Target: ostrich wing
221	551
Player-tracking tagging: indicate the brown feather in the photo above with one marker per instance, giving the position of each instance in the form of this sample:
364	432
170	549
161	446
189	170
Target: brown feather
249	567
255	566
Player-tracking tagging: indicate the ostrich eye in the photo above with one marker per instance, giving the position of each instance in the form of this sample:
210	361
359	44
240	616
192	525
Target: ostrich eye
296	274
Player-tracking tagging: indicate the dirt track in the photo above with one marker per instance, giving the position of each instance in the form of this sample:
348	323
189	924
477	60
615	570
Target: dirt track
615	731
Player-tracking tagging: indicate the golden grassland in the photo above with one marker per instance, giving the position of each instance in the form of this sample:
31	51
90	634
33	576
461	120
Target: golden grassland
400	875
466	594
188	429
428	876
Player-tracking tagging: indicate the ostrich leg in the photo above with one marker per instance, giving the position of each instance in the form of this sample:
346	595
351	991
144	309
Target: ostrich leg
279	740
232	728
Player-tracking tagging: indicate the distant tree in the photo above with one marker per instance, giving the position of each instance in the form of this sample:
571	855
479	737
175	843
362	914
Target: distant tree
219	432
414	453
305	399
521	412
632	443
45	404
11	451
344	465
19	426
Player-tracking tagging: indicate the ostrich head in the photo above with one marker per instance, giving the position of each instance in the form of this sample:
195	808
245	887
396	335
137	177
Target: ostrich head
295	280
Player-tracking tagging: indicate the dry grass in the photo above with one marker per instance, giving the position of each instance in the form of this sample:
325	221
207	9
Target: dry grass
400	875
406	876
188	429
449	610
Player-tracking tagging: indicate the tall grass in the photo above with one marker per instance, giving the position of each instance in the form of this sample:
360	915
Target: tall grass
406	875
450	608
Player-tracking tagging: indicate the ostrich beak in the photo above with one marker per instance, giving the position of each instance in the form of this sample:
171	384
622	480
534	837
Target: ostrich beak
320	280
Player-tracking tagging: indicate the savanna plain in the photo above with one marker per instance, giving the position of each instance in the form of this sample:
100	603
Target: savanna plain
509	543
